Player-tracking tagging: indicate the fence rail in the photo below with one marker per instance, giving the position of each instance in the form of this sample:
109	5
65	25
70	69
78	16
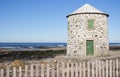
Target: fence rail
97	68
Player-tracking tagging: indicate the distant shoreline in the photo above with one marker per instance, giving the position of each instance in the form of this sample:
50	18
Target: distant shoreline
33	49
46	48
114	47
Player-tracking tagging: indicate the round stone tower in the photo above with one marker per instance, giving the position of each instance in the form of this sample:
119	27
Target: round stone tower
87	32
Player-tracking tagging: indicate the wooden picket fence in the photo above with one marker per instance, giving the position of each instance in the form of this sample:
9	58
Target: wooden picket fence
95	68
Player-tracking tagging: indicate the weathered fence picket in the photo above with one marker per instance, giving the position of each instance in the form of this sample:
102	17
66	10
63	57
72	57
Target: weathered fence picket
58	70
117	67
7	72
48	70
42	70
67	69
103	70
31	70
80	70
110	72
53	70
26	70
97	68
63	70
20	71
72	70
92	69
14	71
76	69
2	73
88	69
106	68
113	68
37	71
84	68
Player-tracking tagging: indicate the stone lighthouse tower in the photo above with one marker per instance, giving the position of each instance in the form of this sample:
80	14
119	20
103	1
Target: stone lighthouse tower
87	32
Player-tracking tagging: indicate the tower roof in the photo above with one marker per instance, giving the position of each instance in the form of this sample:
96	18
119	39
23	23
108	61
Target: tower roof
87	9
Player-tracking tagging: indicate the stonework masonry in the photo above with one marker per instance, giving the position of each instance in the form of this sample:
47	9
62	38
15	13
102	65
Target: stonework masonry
79	33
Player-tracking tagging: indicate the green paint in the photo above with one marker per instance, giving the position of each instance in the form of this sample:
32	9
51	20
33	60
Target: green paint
90	24
90	47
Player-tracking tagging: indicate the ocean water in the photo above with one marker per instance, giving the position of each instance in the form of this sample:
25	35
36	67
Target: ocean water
35	45
114	44
30	45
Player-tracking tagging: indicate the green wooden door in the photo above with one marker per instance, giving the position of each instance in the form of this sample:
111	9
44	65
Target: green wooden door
90	47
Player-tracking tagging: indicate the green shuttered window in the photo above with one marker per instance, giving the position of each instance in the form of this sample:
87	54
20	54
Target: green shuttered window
90	24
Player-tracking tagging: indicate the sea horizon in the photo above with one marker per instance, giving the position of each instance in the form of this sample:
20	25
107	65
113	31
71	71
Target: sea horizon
30	45
38	44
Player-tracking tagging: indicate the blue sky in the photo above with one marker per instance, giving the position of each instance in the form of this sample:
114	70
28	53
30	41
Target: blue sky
45	20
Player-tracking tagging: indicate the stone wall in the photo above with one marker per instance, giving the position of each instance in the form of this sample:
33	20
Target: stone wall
78	33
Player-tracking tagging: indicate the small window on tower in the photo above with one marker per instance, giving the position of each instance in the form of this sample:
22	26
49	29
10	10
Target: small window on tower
90	24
